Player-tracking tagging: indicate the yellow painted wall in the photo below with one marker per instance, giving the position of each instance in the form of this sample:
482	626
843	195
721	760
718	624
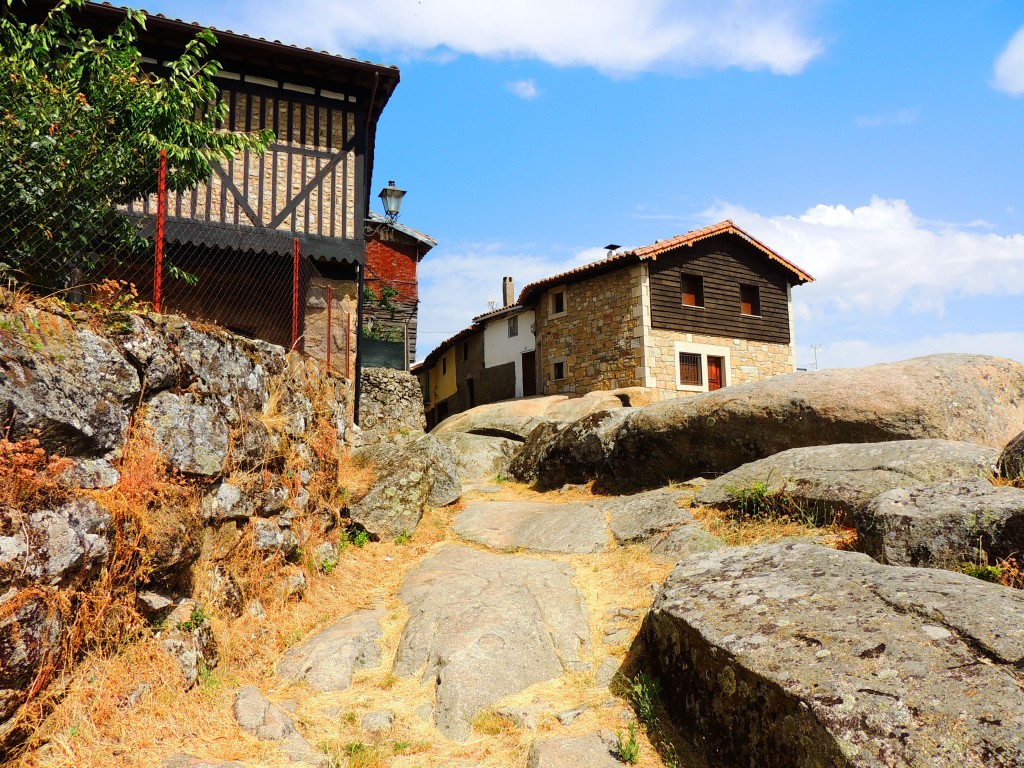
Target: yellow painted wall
437	385
446	383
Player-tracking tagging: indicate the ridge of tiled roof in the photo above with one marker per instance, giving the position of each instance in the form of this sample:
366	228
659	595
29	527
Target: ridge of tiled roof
492	313
658	247
655	249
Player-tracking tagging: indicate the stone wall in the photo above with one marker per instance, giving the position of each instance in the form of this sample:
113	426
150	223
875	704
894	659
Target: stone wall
748	361
390	404
599	337
240	433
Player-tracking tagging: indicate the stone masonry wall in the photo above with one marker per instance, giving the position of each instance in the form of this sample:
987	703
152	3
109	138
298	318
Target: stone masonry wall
599	337
748	360
390	404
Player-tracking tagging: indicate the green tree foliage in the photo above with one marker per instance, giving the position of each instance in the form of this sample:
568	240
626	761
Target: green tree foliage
81	128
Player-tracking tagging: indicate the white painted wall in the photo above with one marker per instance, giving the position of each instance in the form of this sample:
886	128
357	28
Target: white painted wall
499	349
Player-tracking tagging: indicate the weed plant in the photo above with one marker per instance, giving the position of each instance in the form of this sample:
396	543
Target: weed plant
628	748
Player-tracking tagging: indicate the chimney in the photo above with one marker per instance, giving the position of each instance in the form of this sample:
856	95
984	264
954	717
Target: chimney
508	292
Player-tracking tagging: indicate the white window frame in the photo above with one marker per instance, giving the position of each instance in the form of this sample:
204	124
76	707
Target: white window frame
513	326
705	351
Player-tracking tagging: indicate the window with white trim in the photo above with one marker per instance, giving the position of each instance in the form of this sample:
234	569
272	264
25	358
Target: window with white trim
513	326
701	367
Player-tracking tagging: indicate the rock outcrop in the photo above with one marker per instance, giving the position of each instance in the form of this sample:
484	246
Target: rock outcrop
484	626
537	527
479	457
844	478
595	750
574	453
257	716
656	520
327	660
65	383
944	525
89	386
410	476
968	398
793	654
514	419
1011	460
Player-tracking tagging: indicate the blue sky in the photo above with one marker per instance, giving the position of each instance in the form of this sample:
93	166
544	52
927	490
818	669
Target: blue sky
878	145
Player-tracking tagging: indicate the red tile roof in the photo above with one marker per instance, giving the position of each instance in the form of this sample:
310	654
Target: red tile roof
656	249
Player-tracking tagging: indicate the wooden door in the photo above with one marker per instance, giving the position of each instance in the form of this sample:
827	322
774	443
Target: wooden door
715	366
529	373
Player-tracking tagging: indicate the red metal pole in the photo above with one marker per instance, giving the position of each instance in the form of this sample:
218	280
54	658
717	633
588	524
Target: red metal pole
161	218
348	343
295	297
330	327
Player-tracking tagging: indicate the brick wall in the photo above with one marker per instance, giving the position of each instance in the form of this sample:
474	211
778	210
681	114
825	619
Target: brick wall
393	263
599	337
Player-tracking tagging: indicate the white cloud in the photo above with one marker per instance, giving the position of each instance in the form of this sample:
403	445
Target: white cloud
614	37
1008	73
856	353
880	257
900	117
524	89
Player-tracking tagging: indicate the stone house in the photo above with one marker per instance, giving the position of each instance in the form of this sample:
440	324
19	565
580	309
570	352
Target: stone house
697	312
694	313
491	360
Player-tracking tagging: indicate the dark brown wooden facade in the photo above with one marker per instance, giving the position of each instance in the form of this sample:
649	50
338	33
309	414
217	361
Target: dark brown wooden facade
724	264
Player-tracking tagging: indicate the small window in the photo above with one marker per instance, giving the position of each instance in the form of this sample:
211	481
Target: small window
557	302
693	290
465	350
750	300
513	326
690	370
444	365
558	370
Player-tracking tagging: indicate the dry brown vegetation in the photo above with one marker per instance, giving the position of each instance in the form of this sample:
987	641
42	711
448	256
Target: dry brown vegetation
129	709
738	530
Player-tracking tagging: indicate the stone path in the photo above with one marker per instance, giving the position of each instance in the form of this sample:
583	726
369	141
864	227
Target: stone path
514	628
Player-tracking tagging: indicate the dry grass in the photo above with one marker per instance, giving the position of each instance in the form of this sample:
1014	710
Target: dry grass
510	490
738	531
1013	482
92	726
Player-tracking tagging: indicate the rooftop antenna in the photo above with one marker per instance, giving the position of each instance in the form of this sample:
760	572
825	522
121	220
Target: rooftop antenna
816	348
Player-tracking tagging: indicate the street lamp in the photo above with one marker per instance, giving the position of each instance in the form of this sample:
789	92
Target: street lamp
391	196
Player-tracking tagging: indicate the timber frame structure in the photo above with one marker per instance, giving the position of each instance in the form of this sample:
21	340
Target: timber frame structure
313	183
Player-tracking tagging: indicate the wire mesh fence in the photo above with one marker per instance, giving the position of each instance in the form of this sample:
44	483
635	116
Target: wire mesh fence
75	236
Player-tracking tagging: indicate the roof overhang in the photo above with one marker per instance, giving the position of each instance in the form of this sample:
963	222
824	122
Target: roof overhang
635	256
